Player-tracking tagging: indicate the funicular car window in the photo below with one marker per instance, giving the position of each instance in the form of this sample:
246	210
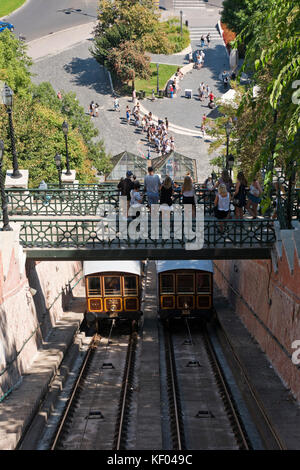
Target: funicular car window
185	282
130	285
94	286
203	282
167	283
112	285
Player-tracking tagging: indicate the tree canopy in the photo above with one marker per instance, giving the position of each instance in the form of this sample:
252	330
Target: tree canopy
38	115
266	123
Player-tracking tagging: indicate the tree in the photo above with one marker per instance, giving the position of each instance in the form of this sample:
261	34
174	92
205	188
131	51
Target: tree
129	62
14	63
128	20
266	134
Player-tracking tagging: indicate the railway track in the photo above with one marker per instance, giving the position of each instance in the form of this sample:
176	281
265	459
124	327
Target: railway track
93	411
202	410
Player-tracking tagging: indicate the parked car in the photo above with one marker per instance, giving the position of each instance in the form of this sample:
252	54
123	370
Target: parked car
5	25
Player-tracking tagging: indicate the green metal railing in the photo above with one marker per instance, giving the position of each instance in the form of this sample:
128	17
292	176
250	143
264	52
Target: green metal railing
93	201
90	234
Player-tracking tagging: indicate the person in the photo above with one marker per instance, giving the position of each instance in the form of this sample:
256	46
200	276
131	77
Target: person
116	104
96	110
190	57
222	205
202	41
208	39
209	184
153	95
92	107
188	193
134	96
166	192
152	186
120	186
239	196
254	199
135	195
204	117
126	186
171	91
167	123
59	95
211	103
127	114
225	179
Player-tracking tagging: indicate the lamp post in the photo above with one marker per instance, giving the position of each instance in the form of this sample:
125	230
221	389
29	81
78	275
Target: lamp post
157	84
7	95
57	159
228	127
65	129
6	226
181	13
230	163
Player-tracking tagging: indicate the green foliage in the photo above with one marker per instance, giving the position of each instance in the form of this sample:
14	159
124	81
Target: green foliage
38	115
171	28
266	133
14	63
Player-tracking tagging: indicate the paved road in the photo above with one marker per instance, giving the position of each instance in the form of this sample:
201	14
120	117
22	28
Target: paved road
38	18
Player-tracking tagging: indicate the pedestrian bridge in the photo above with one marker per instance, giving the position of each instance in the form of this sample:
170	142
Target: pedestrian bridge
91	238
77	224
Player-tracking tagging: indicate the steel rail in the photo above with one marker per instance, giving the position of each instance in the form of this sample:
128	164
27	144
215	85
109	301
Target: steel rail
93	345
260	406
225	389
174	395
126	389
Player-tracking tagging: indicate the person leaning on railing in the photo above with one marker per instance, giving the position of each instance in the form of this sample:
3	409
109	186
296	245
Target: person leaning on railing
222	205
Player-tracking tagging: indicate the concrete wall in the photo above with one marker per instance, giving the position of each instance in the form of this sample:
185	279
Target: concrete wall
268	303
27	319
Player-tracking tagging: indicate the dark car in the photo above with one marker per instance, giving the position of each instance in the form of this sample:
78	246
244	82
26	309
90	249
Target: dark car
5	25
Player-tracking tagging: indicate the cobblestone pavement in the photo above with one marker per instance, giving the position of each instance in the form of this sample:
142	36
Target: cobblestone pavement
76	70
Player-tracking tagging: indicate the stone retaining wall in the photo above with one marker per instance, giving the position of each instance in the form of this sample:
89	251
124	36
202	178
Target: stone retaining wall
32	299
268	303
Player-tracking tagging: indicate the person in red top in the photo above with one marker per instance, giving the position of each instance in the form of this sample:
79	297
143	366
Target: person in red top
211	96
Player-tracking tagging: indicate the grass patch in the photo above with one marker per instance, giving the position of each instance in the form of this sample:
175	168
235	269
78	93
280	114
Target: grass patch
171	28
165	72
8	6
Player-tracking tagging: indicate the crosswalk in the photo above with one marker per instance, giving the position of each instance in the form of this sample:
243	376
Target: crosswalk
196	33
188	4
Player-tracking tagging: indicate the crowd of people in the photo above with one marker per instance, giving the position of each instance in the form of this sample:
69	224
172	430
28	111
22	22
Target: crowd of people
157	134
237	195
224	191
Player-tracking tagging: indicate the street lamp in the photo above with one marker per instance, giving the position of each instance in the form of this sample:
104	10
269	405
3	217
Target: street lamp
228	127
57	159
230	163
65	129
157	84
181	13
6	226
7	95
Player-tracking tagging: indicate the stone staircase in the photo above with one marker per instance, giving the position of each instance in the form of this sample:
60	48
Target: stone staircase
188	4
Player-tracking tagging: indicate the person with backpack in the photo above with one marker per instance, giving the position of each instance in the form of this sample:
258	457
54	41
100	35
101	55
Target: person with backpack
126	186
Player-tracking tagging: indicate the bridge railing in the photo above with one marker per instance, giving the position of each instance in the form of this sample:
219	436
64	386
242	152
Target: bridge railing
75	233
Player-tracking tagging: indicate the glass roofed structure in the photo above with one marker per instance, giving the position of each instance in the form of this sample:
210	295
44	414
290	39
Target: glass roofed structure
126	161
176	165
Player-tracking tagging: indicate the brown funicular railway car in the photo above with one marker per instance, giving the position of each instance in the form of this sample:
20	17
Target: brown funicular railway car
113	289
185	288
